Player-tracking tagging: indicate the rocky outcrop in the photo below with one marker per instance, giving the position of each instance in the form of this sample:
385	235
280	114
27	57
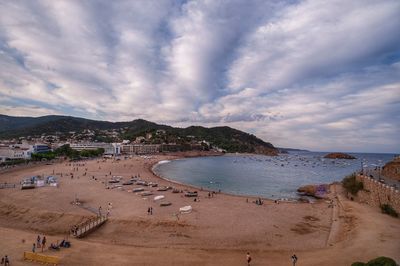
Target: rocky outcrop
339	155
392	169
316	191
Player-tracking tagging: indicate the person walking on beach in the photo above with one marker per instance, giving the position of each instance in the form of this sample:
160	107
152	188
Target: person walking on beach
148	211
6	261
43	242
248	258
294	259
38	241
100	211
33	248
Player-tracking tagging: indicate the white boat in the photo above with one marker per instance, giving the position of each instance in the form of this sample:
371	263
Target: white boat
186	209
160	197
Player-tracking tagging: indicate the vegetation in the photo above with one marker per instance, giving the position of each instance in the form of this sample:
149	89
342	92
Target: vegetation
43	156
388	209
65	127
67	151
351	185
380	261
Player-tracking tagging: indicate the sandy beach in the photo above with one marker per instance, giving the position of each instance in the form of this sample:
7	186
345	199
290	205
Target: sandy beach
219	230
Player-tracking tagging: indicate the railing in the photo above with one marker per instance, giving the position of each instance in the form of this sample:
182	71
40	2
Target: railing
88	226
6	185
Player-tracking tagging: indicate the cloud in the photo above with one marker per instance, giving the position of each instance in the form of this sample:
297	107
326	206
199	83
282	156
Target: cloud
290	72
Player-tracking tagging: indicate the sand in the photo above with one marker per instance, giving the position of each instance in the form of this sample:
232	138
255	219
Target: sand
219	231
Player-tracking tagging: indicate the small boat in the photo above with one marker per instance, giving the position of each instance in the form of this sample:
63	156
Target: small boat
162	189
127	183
113	181
186	209
146	193
165	203
28	185
191	194
138	189
141	183
160	197
151	184
175	190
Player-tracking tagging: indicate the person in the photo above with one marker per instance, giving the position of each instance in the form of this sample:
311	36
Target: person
100	211
151	210
6	261
248	258
38	241
43	242
294	259
148	210
33	248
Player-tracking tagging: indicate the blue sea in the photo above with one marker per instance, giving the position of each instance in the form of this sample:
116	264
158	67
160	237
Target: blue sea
265	176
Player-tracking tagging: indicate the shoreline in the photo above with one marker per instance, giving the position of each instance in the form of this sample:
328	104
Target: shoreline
281	200
218	231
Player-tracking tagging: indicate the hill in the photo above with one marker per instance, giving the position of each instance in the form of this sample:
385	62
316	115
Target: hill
65	127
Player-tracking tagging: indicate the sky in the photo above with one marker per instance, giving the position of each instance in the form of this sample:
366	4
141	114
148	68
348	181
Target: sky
319	75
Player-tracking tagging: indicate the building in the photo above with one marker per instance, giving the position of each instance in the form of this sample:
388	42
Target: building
109	148
14	153
40	148
140	148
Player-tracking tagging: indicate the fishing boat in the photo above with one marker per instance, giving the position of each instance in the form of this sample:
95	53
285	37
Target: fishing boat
146	193
159	197
186	209
138	189
165	203
191	194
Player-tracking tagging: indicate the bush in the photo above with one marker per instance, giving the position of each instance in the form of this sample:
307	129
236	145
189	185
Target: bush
380	261
351	184
386	208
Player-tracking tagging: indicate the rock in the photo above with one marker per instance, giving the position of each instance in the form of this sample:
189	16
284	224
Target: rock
339	155
316	191
392	169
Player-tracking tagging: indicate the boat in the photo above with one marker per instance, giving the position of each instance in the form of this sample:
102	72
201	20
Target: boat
175	190
160	197
146	193
28	185
138	189
191	194
151	184
186	209
162	189
127	183
165	203
141	183
113	181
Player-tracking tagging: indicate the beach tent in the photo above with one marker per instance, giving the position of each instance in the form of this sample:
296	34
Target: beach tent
185	209
159	197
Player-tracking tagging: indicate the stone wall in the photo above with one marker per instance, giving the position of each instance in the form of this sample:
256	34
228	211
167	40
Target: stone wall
376	193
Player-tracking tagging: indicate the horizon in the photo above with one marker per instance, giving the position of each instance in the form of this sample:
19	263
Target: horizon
299	74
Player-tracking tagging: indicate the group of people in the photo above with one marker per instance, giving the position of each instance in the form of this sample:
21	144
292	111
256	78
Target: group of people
150	210
248	259
40	243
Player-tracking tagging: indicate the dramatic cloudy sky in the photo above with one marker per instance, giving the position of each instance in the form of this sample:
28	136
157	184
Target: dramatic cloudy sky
321	75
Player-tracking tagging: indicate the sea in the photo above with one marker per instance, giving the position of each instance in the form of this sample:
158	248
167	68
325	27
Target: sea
276	177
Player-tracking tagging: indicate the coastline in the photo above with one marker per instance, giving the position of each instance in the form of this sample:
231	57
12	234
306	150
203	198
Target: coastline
224	226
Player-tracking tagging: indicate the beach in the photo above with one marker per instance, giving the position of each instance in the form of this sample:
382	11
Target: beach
219	231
